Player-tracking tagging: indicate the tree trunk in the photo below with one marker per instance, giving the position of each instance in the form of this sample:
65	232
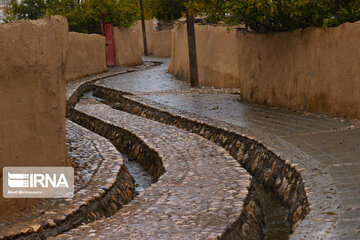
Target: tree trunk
143	27
194	79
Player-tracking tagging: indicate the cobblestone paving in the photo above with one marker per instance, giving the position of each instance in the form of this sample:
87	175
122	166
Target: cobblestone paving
97	164
135	83
200	195
157	80
72	86
83	151
328	147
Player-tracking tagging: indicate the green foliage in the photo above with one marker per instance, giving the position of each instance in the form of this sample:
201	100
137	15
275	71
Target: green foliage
82	17
264	15
171	10
166	10
86	16
27	9
213	11
286	15
260	15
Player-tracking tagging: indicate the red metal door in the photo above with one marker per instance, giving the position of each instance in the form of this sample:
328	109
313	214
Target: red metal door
110	47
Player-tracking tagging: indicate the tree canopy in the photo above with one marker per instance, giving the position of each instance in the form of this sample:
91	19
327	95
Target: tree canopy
166	10
171	10
82	16
262	16
265	16
286	15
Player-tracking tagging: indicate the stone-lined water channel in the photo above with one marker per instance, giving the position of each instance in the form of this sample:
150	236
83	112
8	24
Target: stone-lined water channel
143	179
276	224
281	149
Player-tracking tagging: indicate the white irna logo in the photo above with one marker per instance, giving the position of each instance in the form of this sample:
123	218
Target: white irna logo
36	180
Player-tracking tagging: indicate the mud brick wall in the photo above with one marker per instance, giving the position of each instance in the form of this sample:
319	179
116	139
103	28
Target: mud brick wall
158	42
86	55
309	69
32	95
127	50
216	53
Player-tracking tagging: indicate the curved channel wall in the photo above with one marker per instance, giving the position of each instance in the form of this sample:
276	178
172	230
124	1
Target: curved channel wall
308	69
249	224
279	176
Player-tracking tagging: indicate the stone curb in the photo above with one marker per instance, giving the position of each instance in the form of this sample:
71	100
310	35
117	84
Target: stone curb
85	206
76	88
248	223
279	176
103	196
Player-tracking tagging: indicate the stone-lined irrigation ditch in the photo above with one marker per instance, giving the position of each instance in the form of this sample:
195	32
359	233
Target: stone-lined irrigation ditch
109	188
276	175
269	170
275	213
246	225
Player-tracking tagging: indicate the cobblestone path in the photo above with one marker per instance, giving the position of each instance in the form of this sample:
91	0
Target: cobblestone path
201	194
101	180
328	149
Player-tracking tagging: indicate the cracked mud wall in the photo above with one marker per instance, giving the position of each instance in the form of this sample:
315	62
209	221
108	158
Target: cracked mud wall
313	69
32	96
86	55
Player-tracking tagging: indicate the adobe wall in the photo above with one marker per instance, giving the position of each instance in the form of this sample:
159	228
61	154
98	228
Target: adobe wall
127	50
216	52
313	69
32	96
86	55
159	42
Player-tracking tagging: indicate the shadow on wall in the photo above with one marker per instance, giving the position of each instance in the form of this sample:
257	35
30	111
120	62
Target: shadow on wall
312	69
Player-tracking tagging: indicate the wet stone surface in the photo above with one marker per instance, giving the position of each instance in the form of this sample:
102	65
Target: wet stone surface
326	148
156	79
334	143
275	215
83	152
99	176
73	86
201	194
142	178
